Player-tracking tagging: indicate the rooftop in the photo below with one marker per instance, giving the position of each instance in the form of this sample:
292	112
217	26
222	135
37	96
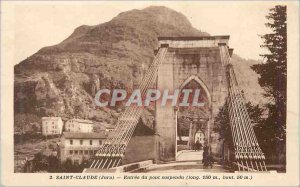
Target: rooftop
82	120
193	42
51	118
80	135
194	37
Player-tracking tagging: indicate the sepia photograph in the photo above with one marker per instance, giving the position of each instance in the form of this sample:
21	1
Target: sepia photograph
151	88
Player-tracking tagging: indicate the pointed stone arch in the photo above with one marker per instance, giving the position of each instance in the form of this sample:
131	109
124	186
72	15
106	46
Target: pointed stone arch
202	84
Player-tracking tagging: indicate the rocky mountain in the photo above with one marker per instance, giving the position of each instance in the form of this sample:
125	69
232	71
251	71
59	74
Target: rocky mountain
62	79
248	80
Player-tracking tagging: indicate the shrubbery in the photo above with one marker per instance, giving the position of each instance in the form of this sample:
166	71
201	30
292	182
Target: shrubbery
51	164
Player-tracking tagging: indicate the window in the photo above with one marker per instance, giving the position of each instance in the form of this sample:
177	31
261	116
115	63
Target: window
81	142
100	142
71	142
91	142
86	152
76	152
91	152
71	152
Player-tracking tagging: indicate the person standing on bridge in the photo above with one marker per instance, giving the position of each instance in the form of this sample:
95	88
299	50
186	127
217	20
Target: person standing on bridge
200	146
197	145
207	157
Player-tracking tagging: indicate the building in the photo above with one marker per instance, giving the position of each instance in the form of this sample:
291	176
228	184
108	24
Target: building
80	146
104	126
79	125
109	129
52	125
200	137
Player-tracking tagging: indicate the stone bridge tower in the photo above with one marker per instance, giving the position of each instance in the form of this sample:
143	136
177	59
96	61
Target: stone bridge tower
190	59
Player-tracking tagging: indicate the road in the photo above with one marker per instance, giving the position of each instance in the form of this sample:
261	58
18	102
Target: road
186	161
189	155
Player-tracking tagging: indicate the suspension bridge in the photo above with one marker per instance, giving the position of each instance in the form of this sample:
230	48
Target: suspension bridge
178	61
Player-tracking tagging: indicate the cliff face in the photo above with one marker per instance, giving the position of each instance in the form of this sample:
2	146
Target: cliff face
62	79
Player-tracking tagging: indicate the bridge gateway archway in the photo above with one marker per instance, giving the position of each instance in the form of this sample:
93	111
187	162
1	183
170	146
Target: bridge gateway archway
192	121
180	60
190	59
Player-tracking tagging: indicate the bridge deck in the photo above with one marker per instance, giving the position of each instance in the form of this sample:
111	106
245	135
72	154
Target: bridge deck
187	166
189	155
187	161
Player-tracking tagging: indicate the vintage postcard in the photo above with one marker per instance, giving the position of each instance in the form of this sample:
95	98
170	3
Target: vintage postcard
150	93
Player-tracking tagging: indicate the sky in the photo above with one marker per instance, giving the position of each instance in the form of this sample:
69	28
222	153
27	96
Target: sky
40	24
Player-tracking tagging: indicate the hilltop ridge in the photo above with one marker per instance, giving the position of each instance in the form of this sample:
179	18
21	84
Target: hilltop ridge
61	80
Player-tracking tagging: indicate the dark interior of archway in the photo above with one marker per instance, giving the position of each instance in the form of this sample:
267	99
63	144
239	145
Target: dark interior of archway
186	114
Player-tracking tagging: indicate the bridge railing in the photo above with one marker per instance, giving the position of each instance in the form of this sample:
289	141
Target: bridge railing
111	153
248	155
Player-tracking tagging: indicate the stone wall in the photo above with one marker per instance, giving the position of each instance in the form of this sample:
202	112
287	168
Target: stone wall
140	148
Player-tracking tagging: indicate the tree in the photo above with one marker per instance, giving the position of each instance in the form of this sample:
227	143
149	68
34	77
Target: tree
273	78
68	166
275	61
40	163
222	122
23	122
54	164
